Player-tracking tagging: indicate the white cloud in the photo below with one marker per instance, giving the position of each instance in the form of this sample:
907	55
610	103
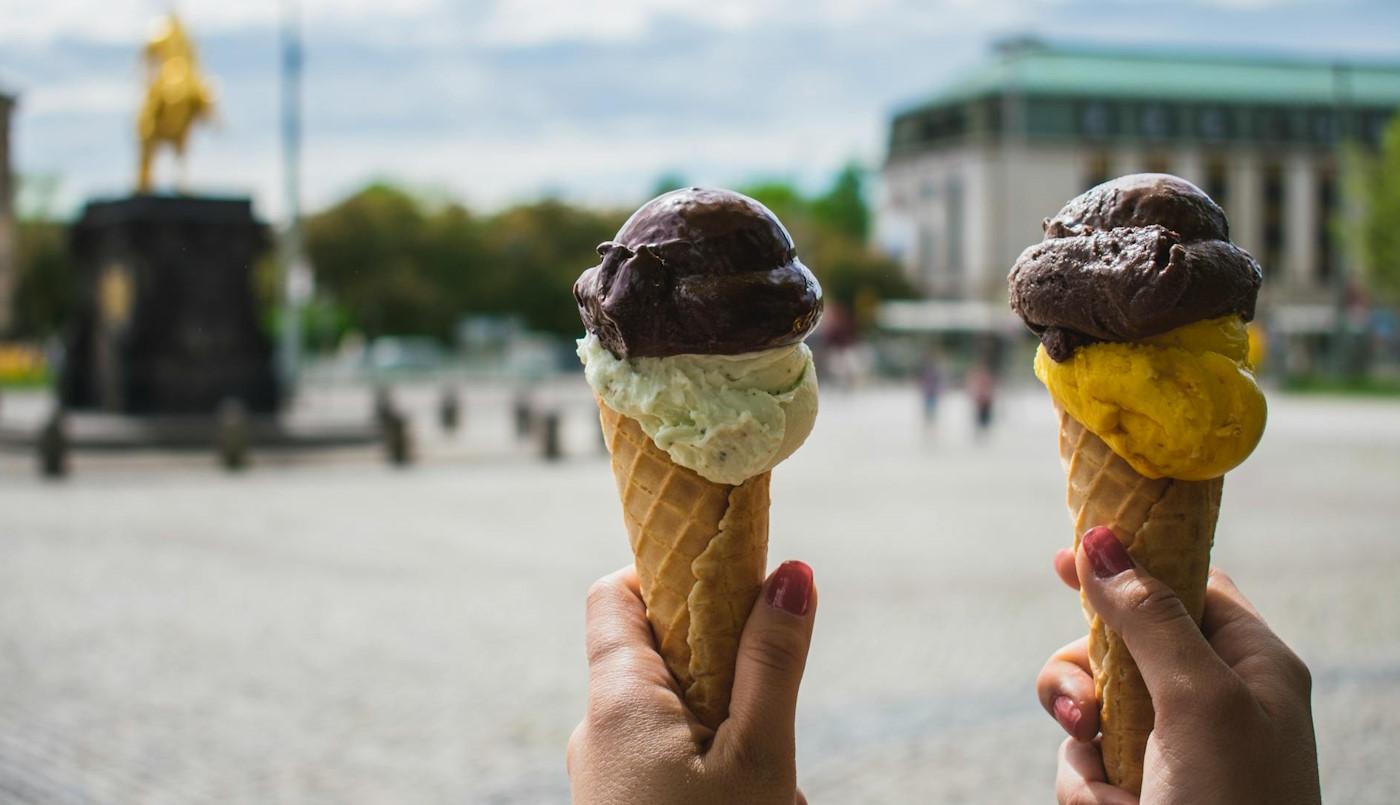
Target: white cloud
499	102
115	21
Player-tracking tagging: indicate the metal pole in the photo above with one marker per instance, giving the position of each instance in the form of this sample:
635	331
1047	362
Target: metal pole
1341	109
296	273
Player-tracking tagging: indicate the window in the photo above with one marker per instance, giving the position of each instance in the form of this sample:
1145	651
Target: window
1156	122
1097	171
953	209
1096	120
928	245
1213	124
1326	211
1217	180
1324	127
1273	218
1271	125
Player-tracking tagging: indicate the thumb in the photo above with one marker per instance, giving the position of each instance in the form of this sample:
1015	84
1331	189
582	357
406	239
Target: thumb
768	672
1165	642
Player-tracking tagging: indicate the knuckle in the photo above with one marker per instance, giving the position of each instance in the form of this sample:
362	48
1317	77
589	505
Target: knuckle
779	651
758	762
1296	671
1225	700
616	706
1154	603
577	740
600	594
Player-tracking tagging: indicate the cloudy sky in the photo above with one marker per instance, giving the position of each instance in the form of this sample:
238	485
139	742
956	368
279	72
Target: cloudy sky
495	101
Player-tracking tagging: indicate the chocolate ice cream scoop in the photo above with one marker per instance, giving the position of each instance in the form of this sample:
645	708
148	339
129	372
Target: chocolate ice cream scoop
1131	258
698	271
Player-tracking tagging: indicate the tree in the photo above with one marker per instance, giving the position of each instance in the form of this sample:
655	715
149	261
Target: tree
369	253
44	290
1376	236
668	181
843	208
536	251
830	234
396	265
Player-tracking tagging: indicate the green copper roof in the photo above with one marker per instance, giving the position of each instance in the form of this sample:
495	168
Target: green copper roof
1036	68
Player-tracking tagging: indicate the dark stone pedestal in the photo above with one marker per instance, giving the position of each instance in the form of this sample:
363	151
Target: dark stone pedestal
166	320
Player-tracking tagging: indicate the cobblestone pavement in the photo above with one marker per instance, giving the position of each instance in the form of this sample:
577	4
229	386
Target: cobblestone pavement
334	631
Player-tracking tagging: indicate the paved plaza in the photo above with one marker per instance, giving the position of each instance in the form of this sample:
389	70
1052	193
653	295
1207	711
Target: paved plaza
327	629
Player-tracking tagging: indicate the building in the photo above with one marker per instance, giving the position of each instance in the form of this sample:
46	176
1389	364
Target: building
972	171
8	233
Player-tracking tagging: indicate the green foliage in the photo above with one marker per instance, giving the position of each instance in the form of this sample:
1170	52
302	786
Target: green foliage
395	267
46	282
830	231
392	264
667	182
843	207
1376	236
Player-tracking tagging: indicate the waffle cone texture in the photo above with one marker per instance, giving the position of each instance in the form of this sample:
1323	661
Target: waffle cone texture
700	549
1168	527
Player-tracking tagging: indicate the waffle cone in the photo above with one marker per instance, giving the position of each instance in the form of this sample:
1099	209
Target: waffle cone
700	549
1168	527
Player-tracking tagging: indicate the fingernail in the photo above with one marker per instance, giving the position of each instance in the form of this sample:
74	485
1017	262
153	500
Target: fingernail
791	588
1067	713
1106	553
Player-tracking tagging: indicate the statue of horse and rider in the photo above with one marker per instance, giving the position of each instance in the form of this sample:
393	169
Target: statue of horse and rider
177	96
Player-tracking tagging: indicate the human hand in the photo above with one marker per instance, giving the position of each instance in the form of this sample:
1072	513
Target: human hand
1233	717
638	741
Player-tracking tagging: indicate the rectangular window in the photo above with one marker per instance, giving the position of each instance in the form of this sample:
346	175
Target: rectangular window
1097	170
1098	120
928	245
953	209
1326	212
1047	117
1217	180
1272	177
1213	124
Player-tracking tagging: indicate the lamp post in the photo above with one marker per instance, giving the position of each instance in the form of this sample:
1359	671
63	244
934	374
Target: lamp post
297	280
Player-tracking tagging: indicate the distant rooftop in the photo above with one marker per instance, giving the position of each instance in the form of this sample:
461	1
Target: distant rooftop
1037	67
1083	93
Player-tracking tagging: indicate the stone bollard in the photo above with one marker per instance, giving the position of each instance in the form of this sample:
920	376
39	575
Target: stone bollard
550	447
231	437
398	439
53	447
523	415
450	410
383	405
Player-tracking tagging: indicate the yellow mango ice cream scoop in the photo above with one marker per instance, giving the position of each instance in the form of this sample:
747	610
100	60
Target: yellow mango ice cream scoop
1183	404
1141	304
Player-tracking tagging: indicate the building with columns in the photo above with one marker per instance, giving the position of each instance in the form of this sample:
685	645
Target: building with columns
973	170
8	233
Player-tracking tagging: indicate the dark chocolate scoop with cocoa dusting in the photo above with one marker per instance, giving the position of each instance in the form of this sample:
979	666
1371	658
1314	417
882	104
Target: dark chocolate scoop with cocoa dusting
698	271
1131	258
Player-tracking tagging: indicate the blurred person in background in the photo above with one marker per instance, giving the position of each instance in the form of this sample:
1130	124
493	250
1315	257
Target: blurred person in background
1233	702
930	387
981	390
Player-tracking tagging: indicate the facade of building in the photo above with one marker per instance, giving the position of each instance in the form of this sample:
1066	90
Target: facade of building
8	233
972	172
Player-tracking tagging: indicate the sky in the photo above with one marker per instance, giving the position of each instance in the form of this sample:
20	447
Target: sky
495	102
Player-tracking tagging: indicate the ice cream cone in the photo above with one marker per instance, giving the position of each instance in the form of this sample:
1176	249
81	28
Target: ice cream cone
1168	527
701	548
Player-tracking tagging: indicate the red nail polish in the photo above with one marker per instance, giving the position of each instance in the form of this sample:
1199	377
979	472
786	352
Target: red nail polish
1106	553
791	588
1067	714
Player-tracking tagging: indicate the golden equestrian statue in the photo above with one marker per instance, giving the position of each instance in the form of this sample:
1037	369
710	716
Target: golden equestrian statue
177	96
